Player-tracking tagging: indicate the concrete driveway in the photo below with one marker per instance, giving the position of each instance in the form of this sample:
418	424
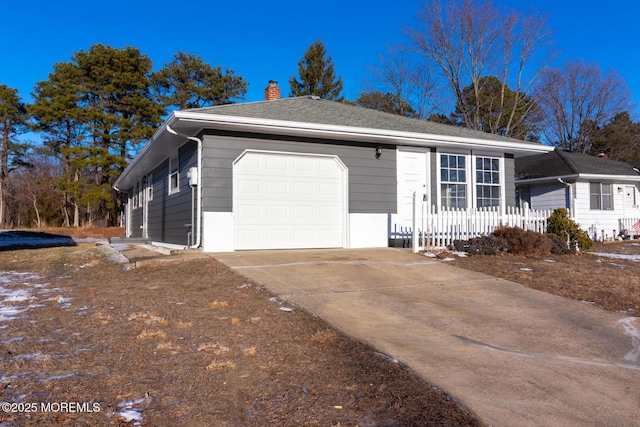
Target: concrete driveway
515	356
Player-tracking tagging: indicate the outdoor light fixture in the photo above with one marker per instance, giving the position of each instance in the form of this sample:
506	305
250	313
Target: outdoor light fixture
378	151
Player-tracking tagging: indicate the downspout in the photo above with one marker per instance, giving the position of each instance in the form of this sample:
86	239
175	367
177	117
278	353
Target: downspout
127	213
570	187
198	187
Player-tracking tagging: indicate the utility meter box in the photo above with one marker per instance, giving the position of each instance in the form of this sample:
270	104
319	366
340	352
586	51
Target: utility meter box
192	174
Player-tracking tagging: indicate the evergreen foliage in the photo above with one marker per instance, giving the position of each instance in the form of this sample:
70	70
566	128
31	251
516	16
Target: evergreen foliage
188	82
387	102
559	224
13	119
317	75
94	113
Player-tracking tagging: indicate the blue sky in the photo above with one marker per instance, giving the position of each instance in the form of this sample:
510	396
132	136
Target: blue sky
265	40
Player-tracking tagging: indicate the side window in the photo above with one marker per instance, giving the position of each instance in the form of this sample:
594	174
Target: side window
487	182
174	175
136	195
601	196
149	187
453	181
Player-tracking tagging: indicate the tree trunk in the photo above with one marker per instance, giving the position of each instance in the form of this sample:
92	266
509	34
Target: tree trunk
76	215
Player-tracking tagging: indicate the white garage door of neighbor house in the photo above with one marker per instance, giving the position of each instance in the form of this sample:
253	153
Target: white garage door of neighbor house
289	201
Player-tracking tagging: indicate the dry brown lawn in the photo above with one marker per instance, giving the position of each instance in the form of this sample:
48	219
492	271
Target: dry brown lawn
610	283
185	344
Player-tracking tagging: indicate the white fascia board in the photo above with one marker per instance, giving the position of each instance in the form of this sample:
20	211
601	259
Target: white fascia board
582	176
144	151
618	178
373	136
547	179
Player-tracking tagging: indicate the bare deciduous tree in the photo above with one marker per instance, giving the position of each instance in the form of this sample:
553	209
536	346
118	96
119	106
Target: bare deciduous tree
467	40
397	72
578	99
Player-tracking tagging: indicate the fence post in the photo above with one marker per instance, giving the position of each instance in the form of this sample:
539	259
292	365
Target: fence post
414	231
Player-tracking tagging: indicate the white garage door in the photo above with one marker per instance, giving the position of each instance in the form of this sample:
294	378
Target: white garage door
287	201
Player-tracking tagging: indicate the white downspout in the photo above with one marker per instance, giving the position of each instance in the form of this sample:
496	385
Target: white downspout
198	187
571	210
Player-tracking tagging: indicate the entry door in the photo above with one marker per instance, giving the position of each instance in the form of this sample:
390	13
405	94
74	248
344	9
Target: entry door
412	177
630	198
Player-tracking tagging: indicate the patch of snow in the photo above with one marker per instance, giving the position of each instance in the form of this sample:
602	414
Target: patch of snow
57	377
63	300
120	246
448	259
285	309
9	312
549	260
461	254
11	340
617	256
130	415
131	410
630	330
525	269
430	254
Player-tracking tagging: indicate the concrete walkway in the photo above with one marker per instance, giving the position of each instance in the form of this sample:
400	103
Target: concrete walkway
515	356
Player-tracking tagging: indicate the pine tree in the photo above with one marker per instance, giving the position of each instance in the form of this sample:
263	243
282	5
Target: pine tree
188	82
94	113
12	119
317	75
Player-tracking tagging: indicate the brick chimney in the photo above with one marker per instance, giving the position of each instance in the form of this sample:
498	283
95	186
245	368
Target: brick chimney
272	91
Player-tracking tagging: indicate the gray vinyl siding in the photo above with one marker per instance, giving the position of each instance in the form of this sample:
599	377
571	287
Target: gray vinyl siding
136	216
510	180
372	182
548	196
170	214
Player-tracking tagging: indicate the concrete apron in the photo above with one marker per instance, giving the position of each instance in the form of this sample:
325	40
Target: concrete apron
515	356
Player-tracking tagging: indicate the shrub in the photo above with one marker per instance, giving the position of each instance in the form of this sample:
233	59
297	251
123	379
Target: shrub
559	246
559	224
484	245
521	242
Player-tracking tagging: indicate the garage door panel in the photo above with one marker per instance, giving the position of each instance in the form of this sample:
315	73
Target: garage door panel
289	201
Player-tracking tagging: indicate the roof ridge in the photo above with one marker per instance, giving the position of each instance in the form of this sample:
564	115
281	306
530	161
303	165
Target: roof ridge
567	161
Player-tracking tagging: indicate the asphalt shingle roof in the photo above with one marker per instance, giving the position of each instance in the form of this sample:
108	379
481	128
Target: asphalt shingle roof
564	163
320	111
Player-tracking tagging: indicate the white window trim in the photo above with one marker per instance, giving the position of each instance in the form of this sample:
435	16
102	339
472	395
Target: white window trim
135	202
174	161
601	194
470	158
468	179
501	184
149	188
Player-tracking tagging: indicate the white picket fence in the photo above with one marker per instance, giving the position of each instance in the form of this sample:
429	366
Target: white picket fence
627	225
434	228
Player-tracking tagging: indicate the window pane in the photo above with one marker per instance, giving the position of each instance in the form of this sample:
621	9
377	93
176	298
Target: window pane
495	164
461	162
444	161
462	176
495	178
444	175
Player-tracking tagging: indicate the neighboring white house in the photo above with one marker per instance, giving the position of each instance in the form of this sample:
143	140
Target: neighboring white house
602	195
306	173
